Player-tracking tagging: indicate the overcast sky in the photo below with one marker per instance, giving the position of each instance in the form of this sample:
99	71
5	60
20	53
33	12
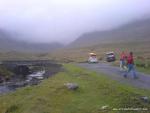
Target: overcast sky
65	20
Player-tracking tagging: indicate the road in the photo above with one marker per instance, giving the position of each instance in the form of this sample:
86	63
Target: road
114	73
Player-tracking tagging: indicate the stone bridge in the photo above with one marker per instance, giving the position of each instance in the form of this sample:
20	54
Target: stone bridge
27	62
23	66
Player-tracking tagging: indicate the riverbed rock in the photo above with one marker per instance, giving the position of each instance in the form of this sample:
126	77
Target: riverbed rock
72	86
34	81
1	79
15	85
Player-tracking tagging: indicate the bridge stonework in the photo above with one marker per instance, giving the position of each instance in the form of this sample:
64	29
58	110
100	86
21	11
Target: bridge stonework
27	62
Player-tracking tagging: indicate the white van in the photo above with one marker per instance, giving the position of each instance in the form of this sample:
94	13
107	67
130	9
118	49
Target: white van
92	58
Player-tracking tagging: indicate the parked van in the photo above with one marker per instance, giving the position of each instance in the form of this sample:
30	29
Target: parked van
110	56
92	58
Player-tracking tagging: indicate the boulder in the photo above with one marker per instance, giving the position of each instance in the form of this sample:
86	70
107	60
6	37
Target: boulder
145	99
71	86
105	107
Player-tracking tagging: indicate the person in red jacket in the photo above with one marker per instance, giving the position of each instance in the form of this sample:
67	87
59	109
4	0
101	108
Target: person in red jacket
130	65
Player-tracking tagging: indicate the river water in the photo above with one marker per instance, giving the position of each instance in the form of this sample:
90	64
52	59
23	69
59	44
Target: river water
7	87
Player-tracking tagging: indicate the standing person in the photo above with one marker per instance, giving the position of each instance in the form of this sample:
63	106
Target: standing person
122	61
130	65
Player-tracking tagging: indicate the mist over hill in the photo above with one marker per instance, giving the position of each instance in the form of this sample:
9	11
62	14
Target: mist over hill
7	43
136	31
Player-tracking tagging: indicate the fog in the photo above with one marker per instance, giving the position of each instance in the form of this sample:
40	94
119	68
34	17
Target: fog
65	20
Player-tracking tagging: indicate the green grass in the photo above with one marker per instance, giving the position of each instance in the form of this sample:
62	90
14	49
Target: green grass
95	91
143	65
144	70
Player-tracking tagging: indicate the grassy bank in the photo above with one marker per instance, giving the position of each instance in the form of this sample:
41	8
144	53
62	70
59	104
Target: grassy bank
95	91
5	73
143	65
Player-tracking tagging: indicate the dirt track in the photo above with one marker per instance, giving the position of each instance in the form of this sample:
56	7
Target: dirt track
114	73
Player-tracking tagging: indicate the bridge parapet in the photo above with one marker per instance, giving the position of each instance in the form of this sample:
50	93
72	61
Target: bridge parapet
27	62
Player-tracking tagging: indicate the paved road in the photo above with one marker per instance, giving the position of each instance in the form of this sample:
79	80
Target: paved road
114	73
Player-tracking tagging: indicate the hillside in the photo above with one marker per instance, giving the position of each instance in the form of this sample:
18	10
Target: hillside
7	44
137	31
134	36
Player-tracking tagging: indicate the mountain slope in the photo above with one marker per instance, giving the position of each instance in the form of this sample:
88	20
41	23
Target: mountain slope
134	31
9	44
134	36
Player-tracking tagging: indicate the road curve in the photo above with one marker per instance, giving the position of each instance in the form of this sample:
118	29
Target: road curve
114	73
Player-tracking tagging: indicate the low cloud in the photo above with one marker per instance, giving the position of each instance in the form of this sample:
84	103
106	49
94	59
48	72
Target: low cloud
64	20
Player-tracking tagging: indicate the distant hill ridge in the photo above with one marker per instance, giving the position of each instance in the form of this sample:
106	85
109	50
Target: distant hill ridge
134	31
7	43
